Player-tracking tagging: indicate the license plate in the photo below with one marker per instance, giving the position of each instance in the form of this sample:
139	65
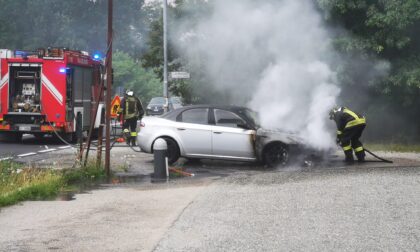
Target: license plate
24	128
156	109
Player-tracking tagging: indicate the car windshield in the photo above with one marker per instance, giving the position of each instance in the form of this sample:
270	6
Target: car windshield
157	100
253	116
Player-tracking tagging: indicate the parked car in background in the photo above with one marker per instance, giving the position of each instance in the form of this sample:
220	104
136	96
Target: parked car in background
218	132
176	102
157	105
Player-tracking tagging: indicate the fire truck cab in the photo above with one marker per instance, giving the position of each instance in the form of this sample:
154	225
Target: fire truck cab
43	91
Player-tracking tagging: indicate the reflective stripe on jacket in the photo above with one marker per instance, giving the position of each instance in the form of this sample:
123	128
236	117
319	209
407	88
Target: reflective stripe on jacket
358	120
345	118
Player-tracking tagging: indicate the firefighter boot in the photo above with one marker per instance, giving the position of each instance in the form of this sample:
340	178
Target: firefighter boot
133	138
349	156
126	135
360	155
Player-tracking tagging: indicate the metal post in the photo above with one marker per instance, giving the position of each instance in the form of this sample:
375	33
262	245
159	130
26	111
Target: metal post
99	151
160	153
79	133
108	92
165	53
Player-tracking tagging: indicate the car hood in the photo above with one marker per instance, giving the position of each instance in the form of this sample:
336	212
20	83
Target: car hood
287	137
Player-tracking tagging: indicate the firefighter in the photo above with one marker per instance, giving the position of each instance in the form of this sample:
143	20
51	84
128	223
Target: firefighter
132	110
350	126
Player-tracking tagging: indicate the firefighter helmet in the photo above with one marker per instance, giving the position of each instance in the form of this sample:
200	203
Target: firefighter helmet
333	111
129	92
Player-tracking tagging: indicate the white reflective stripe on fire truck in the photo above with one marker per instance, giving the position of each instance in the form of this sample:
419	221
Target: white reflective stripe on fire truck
25	65
47	83
4	80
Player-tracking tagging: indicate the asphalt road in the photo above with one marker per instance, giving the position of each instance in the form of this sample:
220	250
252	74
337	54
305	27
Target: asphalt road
29	144
360	209
232	207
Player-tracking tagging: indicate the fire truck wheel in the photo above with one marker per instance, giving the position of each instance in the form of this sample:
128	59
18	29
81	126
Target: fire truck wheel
39	136
11	137
16	137
70	137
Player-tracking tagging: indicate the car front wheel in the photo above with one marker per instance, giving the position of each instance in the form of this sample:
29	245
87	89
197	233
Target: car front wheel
276	154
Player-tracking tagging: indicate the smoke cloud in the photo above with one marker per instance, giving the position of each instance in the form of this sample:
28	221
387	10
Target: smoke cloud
272	56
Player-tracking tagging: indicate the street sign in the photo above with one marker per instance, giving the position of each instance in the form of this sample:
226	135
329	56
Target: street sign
115	106
179	75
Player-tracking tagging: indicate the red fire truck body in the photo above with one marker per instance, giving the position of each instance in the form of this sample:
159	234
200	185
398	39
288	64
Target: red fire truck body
44	90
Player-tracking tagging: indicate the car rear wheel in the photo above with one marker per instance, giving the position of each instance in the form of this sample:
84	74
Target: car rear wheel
173	150
276	154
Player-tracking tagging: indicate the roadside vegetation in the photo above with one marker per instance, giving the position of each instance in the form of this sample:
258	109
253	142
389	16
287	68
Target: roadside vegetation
394	147
19	183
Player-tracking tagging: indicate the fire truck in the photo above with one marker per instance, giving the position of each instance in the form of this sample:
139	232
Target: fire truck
44	91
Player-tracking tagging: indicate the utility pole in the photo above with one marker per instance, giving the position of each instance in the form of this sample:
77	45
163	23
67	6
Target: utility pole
165	53
108	92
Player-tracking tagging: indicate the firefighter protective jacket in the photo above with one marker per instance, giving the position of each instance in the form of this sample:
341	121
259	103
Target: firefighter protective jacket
346	119
131	107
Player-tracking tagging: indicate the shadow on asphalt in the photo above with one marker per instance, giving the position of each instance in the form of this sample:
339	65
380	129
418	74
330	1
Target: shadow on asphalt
32	140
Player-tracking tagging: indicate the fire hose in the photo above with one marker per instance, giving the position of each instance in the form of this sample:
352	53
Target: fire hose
380	159
377	157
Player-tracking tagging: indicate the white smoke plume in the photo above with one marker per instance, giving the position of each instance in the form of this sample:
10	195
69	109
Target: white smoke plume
273	56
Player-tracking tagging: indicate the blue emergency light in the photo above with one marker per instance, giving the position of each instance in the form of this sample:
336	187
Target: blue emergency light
20	53
97	55
64	70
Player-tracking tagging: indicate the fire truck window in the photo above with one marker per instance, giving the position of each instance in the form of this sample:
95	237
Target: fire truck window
69	95
78	84
87	83
82	90
83	82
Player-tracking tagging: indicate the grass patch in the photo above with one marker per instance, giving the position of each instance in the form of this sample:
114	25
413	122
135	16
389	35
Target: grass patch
19	183
393	147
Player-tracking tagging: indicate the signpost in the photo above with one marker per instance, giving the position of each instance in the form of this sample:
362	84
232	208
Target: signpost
179	75
115	106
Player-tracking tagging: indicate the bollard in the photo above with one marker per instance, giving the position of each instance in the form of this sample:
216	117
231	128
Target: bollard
160	150
99	151
79	133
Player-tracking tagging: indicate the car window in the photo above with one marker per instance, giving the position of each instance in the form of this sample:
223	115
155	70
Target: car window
198	115
227	118
157	100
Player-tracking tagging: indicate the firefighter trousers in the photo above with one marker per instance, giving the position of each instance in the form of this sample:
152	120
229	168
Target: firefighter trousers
130	130
350	142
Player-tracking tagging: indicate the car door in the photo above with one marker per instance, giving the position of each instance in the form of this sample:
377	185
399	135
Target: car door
194	132
229	140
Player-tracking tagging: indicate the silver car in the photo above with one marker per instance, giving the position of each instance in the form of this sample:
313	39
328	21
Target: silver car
217	132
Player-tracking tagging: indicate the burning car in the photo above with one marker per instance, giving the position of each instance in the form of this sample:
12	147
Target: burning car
218	132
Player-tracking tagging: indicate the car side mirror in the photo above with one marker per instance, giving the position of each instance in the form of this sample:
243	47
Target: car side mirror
242	125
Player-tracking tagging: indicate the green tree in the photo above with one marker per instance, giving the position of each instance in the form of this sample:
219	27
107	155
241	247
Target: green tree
387	30
196	89
131	75
77	24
